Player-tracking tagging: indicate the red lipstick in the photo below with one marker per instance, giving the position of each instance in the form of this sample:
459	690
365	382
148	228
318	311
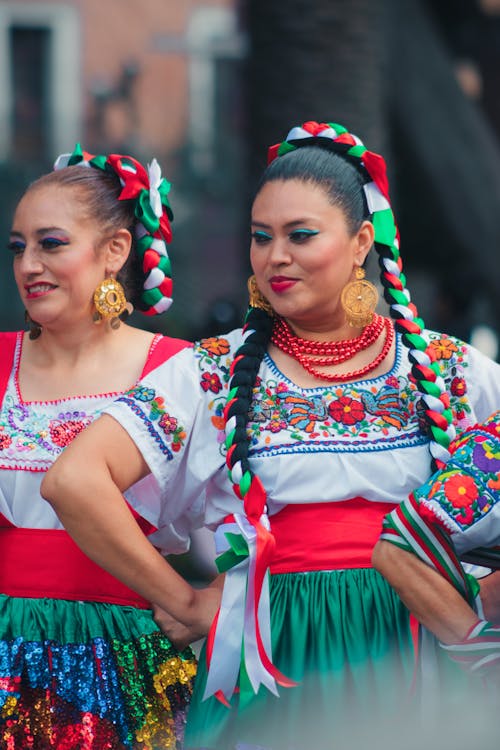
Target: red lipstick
280	284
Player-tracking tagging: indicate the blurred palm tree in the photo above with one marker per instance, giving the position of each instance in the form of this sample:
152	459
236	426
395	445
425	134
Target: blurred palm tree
316	60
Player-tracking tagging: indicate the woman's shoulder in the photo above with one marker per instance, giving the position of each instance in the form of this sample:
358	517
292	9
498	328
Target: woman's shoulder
161	349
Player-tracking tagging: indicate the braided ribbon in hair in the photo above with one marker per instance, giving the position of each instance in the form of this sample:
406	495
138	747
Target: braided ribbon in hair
455	516
425	370
153	213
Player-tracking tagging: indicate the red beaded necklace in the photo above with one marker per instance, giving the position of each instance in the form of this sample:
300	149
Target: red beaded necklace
312	354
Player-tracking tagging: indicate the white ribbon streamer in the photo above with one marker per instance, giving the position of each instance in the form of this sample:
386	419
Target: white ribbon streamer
236	624
374	197
154	174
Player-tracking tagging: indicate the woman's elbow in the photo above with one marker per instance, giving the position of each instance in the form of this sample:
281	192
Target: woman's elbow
56	482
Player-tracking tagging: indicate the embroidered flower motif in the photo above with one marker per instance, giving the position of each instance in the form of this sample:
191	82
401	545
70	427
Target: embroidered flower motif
168	424
215	345
141	393
210	381
157	407
460	490
458	386
346	410
443	348
5	440
484	503
485	458
392	381
276	423
466	516
64	432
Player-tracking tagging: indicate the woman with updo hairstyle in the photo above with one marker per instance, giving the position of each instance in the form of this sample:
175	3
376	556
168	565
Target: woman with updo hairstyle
82	662
301	431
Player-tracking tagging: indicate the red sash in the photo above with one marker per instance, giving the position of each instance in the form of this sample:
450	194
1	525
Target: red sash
327	536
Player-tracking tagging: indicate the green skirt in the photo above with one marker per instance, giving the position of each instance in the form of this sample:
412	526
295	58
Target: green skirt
89	676
345	637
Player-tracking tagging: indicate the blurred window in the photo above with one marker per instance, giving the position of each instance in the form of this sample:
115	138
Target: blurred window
30	107
40	81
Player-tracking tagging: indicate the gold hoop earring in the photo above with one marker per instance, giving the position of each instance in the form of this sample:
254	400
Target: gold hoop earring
110	303
256	298
359	299
35	328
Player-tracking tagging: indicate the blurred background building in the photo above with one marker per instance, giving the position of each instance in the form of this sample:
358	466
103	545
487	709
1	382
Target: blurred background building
207	85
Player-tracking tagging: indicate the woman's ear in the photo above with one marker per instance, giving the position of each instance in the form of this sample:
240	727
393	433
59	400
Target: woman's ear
117	250
365	238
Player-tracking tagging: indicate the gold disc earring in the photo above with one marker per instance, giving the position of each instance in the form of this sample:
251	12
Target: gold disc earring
110	303
256	298
359	299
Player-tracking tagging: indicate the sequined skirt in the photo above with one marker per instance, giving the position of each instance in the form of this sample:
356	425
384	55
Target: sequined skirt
89	676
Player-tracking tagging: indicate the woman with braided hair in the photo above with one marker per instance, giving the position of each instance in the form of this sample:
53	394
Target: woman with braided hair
302	430
82	663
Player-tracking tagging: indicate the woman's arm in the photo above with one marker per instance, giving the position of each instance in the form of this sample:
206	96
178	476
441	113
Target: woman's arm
85	487
432	599
490	596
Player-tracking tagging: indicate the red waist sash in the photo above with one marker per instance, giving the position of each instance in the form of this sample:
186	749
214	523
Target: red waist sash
46	563
327	536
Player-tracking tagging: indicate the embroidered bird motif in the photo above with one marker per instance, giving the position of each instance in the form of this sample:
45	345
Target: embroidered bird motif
387	405
303	412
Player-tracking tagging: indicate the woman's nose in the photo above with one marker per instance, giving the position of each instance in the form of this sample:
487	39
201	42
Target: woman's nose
30	261
279	251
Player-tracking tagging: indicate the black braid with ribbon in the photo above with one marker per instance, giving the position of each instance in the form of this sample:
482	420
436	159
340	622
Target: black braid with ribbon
245	367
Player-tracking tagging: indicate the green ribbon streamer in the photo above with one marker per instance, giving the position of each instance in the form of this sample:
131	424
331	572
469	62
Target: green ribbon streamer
237	552
246	481
150	297
385	229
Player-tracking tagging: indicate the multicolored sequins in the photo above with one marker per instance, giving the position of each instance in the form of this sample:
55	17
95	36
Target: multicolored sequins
97	695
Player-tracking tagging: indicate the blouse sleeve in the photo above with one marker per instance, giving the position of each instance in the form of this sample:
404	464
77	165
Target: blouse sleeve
464	496
483	381
168	416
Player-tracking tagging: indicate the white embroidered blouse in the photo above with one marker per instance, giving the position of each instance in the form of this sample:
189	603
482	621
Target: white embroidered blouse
328	443
34	433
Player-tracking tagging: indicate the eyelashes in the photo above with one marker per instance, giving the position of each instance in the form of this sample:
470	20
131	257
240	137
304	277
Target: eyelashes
50	243
47	243
261	237
16	247
297	236
302	235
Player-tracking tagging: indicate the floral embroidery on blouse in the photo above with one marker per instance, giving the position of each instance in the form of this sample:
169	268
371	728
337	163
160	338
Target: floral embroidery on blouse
214	360
27	429
450	354
144	402
384	409
355	409
468	488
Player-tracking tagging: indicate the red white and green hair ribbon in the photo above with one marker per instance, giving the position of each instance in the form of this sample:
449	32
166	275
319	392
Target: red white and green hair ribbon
372	167
149	190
